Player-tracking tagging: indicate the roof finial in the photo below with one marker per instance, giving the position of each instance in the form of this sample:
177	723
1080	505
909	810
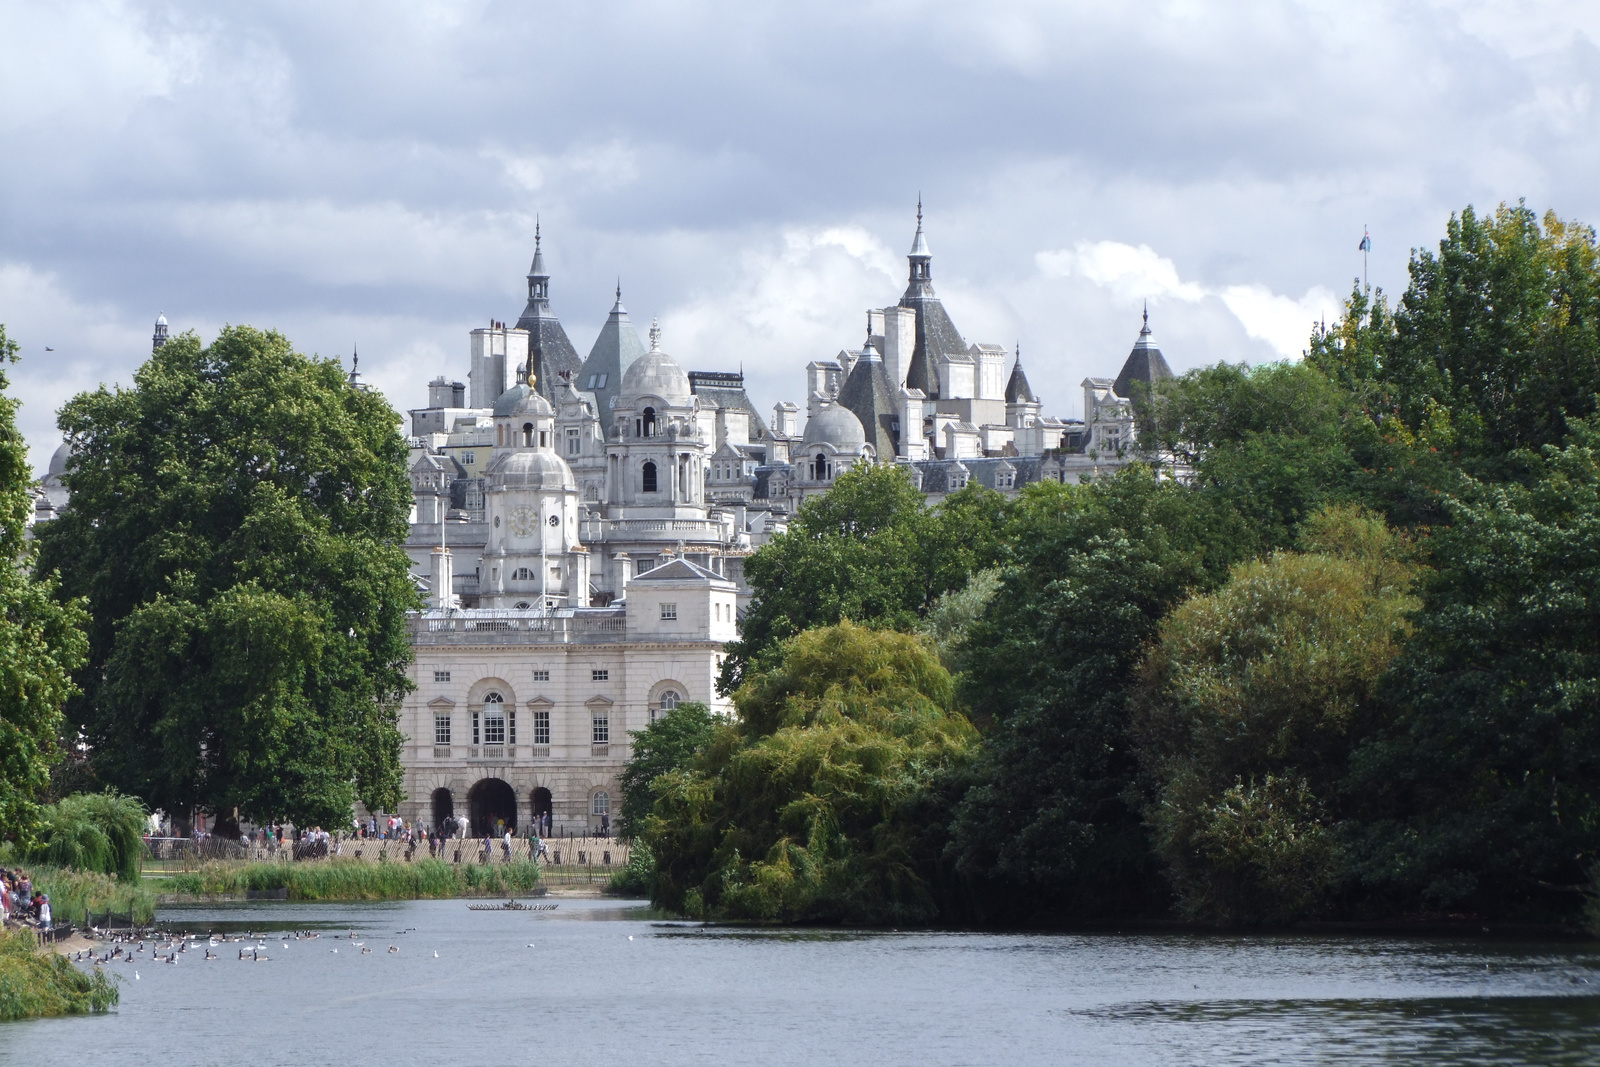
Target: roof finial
536	233
919	209
1019	353
655	335
355	358
619	288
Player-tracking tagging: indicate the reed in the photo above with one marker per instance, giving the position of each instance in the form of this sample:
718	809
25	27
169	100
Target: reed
349	879
71	892
35	984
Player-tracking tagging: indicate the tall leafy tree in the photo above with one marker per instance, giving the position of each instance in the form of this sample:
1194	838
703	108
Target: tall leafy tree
869	550
1495	343
668	744
1483	794
235	525
1249	705
41	639
822	803
1051	827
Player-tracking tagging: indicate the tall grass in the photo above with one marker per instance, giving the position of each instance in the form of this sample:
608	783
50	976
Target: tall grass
71	892
351	879
35	984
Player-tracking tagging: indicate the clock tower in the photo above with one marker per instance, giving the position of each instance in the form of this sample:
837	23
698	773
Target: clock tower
532	559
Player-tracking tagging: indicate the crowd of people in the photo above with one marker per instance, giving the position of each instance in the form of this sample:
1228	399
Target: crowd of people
21	903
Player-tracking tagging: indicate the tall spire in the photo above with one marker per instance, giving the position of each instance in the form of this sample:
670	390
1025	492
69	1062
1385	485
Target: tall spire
920	282
538	277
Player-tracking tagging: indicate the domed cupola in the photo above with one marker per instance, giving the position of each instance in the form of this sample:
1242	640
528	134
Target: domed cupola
655	374
522	418
835	426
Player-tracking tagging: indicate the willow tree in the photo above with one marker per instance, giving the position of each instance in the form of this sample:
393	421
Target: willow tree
41	639
236	524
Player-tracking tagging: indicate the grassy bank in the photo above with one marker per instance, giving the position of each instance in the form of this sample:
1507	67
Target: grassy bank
358	880
71	891
35	984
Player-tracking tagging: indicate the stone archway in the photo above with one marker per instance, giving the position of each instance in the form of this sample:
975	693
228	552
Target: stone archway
543	806
490	802
444	806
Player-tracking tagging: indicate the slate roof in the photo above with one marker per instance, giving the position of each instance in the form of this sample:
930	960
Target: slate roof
870	396
1145	364
613	353
549	349
936	472
678	570
724	389
1018	389
936	335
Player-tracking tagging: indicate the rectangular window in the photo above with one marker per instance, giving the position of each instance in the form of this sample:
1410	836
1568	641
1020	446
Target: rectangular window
511	726
574	442
602	728
441	729
441	676
475	728
468	458
669	611
541	676
600	675
643	566
541	727
494	728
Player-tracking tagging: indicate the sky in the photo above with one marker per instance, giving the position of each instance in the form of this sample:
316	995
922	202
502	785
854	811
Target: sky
369	174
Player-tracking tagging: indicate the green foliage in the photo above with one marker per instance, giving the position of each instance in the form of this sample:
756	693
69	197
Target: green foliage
667	744
822	805
41	640
72	891
1484	793
869	551
1049	829
1494	344
351	879
102	832
235	526
950	622
1247	709
633	880
35	984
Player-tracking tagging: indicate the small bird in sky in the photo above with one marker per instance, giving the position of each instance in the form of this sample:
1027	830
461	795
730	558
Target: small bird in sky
47	348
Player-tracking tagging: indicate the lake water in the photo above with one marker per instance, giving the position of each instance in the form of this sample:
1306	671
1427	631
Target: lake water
609	983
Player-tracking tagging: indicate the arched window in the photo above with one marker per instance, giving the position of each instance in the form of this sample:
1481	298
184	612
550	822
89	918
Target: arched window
522	574
649	422
601	803
670	699
819	472
494	719
649	477
527	433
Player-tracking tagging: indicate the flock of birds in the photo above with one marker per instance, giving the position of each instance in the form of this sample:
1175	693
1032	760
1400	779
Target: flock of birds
131	949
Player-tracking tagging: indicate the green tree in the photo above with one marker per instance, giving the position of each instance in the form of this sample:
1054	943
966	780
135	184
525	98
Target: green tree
101	832
1483	794
822	804
41	639
1494	344
867	550
670	743
1051	827
1249	705
235	527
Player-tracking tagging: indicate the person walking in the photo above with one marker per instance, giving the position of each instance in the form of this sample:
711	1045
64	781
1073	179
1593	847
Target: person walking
505	844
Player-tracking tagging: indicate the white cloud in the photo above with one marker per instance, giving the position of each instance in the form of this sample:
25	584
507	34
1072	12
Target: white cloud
1136	273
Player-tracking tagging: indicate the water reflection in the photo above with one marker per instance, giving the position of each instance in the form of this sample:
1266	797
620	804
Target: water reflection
604	982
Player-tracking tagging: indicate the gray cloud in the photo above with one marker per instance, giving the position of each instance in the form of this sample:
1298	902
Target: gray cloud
370	173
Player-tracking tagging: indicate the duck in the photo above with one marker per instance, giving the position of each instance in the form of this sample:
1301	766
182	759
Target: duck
366	952
392	949
212	955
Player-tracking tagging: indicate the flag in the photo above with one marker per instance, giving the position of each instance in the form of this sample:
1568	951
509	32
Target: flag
1366	243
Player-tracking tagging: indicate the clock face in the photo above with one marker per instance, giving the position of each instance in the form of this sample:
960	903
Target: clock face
523	521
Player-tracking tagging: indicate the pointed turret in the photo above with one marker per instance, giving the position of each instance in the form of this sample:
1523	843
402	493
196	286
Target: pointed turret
870	397
613	353
1145	363
937	337
549	350
1017	389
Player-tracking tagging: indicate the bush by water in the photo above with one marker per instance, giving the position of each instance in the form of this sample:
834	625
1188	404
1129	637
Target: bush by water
358	880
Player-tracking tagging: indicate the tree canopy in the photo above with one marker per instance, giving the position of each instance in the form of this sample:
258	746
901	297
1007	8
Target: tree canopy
869	550
235	528
822	803
41	639
668	744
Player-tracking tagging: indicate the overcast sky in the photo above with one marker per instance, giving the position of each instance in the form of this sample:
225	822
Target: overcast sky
368	174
